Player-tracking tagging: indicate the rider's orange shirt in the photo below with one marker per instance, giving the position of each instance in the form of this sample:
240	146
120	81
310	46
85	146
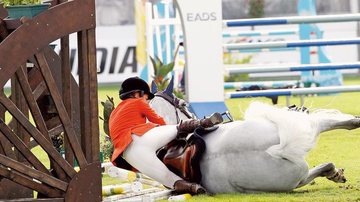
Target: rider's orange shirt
129	117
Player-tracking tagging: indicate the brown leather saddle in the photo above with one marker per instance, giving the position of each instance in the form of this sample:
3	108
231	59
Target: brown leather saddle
182	156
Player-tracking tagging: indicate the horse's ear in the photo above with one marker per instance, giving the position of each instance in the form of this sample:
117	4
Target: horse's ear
154	87
169	89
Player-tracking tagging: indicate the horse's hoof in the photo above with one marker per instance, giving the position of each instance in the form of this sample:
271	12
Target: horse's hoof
355	123
182	186
338	176
201	190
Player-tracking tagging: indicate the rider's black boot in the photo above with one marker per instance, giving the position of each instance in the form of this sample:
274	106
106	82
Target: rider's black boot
188	126
182	186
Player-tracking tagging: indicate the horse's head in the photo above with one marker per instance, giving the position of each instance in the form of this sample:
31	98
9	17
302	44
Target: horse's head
168	106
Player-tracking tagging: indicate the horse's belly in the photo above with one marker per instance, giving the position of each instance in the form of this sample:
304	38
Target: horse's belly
250	172
236	160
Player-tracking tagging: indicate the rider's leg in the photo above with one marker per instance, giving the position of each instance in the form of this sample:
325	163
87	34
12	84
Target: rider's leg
141	154
327	170
188	126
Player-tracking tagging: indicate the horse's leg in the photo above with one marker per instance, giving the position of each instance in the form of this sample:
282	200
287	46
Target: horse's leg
328	122
327	170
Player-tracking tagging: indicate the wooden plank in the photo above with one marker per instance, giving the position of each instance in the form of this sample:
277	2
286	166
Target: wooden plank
66	91
93	104
32	173
28	182
2	150
35	79
34	108
33	144
76	189
12	190
37	200
11	23
3	11
5	145
36	134
84	93
70	132
55	131
14	122
22	148
37	116
39	90
24	108
53	122
18	99
94	114
3	30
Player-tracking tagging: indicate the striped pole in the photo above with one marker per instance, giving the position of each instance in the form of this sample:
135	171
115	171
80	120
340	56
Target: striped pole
291	20
182	197
266	84
290	44
131	176
297	91
227	34
122	188
132	195
324	66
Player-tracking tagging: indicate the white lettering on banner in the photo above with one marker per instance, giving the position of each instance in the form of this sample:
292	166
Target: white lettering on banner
128	61
114	64
116	54
193	17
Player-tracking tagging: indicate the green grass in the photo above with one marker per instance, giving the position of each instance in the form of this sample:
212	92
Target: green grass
340	147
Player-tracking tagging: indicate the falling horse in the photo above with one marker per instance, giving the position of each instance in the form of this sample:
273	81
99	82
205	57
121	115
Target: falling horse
265	151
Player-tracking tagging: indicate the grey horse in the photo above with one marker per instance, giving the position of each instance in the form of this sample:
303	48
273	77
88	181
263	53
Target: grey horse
266	151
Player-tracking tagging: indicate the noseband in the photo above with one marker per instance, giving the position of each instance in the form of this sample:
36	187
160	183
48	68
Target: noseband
174	101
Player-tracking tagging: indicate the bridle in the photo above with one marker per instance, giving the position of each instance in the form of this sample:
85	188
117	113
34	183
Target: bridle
175	102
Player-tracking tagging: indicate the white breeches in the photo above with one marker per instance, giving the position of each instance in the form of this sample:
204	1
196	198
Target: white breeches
141	154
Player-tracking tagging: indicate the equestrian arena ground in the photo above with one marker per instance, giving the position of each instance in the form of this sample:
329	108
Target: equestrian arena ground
340	147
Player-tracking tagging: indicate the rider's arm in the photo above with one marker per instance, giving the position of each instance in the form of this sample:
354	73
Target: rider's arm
150	114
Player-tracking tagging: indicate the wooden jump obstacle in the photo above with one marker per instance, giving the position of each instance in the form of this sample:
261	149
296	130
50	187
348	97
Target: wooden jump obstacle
45	102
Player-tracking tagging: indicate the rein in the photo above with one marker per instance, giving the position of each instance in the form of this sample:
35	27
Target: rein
174	101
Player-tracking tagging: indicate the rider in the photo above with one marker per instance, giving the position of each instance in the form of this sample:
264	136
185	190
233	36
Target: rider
137	141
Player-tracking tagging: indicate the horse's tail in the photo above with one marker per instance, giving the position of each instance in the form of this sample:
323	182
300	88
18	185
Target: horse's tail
296	131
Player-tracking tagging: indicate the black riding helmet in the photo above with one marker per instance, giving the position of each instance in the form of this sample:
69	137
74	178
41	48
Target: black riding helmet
134	84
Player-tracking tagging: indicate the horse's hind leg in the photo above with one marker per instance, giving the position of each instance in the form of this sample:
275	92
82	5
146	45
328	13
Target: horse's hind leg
327	170
338	121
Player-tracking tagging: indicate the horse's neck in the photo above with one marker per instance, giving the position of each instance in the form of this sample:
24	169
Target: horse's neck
164	109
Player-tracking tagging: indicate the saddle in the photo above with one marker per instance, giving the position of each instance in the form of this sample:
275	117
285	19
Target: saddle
182	155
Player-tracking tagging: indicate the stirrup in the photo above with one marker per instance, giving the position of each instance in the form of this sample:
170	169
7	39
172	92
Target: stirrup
212	120
216	118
